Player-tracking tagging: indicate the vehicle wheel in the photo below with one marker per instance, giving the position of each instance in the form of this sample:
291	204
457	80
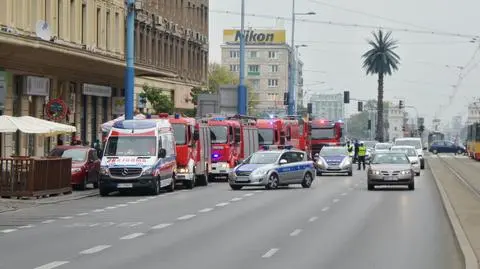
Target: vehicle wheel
435	151
272	182
103	192
411	186
350	173
307	180
156	187
95	184
319	174
83	186
371	187
202	180
459	152
417	174
235	187
189	184
171	188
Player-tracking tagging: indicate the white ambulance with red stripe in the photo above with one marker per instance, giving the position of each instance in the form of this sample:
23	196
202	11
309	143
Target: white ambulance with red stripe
139	154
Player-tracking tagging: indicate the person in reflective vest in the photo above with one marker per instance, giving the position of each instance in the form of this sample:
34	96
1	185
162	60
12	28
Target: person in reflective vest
350	149
362	151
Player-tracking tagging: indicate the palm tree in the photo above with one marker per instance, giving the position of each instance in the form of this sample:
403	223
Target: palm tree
381	60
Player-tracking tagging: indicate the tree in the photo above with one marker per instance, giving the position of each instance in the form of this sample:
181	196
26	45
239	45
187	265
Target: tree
160	102
381	60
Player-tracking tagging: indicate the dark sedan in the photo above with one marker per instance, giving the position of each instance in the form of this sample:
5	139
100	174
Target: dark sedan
443	146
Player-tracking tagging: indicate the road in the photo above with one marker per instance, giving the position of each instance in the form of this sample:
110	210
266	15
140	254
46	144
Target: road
335	224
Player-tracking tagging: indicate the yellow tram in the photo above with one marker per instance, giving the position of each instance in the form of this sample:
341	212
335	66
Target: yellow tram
473	141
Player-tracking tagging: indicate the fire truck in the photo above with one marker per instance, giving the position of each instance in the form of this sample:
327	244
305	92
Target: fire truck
296	133
270	133
324	132
192	141
233	138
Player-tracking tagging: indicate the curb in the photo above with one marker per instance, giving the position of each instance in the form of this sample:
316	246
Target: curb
468	253
34	203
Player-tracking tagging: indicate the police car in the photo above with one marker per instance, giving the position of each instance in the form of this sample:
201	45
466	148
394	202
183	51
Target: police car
273	168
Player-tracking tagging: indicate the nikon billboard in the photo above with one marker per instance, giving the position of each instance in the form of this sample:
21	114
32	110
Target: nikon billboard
255	36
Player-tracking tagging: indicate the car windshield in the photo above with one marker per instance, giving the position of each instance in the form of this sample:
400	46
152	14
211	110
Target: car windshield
265	136
131	146
179	133
333	151
390	158
218	134
77	155
323	133
409	151
415	143
262	158
381	146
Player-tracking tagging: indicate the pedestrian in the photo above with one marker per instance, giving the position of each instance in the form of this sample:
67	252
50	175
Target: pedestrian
350	149
362	152
355	148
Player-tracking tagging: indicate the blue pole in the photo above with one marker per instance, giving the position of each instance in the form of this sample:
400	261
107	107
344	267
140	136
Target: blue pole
291	88
242	89
130	69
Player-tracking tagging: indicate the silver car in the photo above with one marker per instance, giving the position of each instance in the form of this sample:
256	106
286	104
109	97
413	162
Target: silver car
273	169
412	156
390	168
335	160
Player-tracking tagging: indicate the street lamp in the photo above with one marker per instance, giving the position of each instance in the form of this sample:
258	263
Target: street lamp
291	88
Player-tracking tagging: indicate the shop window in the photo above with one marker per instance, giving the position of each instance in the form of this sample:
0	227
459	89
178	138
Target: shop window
83	119
94	120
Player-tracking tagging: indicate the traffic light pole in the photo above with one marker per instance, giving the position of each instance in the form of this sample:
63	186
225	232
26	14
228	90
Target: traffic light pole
242	89
130	69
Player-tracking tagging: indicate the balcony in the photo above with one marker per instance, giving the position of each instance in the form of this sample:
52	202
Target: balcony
253	73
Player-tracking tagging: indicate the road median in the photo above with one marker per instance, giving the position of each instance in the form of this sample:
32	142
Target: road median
463	210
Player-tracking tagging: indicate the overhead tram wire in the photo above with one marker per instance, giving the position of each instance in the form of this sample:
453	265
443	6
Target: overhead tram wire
352	25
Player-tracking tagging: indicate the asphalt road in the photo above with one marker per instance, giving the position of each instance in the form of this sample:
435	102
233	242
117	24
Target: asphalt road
335	224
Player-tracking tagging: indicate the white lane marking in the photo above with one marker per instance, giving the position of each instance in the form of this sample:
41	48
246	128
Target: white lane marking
336	200
98	210
93	225
343	194
236	199
48	221
131	236
222	204
258	191
121	205
66	217
6	231
325	208
95	249
270	253
133	202
296	232
187	217
205	210
52	265
161	226
82	214
110	207
312	219
248	194
26	226
142	200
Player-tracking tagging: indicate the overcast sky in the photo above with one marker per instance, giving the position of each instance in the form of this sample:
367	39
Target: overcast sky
431	63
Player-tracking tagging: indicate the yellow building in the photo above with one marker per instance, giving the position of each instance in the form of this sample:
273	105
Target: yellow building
77	60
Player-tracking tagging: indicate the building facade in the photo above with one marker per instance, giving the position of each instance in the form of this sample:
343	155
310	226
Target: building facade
329	106
71	54
267	61
395	119
473	114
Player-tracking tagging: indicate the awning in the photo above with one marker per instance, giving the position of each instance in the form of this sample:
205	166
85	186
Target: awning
32	125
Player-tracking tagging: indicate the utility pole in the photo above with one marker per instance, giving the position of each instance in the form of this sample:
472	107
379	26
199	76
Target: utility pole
130	69
242	89
293	68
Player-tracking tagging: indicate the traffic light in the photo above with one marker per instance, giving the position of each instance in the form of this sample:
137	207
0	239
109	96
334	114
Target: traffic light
400	104
309	108
346	97
360	106
421	128
285	98
369	125
403	128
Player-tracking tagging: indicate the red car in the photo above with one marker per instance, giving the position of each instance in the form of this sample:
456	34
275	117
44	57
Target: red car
85	164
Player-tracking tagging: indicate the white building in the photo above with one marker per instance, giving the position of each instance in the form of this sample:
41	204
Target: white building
396	120
473	112
267	63
329	106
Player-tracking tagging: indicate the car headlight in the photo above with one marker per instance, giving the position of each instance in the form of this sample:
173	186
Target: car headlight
375	172
321	162
182	170
346	162
405	172
260	172
103	170
76	170
224	165
148	171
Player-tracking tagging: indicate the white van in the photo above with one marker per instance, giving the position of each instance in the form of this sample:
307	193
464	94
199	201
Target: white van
415	142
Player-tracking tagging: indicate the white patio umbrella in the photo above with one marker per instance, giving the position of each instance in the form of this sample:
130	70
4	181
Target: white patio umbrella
32	125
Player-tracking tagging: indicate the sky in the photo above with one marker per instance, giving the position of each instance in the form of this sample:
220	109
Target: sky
439	72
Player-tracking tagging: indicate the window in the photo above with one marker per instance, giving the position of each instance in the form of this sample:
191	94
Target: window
131	146
117	31
273	83
73	33
274	68
179	130
107	31
255	68
272	96
99	26
84	23
272	55
59	19
234	54
253	54
255	83
234	67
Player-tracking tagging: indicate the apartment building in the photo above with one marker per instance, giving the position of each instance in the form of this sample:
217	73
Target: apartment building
329	106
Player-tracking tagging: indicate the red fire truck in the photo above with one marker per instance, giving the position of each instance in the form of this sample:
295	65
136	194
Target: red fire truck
271	133
233	138
193	150
324	132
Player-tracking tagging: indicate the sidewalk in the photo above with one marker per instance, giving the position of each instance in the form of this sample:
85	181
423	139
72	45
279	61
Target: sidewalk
16	204
465	207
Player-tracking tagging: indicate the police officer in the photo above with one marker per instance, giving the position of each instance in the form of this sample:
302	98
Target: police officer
350	149
362	151
355	148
